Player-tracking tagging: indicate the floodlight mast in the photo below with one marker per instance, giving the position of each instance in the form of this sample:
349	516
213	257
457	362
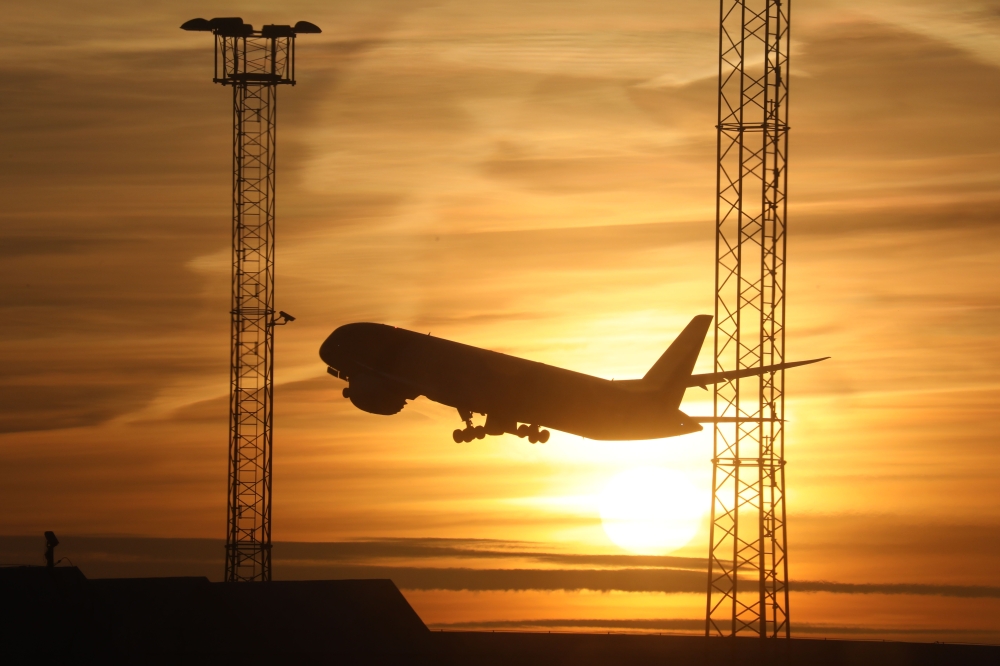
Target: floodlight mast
254	63
748	567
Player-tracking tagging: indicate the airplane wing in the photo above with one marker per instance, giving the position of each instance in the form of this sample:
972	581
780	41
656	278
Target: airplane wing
716	377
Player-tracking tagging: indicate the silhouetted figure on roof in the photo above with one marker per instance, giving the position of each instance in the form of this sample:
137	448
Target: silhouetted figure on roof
50	549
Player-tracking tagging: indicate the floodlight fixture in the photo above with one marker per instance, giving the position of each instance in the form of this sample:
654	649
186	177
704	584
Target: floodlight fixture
305	27
197	25
234	26
244	55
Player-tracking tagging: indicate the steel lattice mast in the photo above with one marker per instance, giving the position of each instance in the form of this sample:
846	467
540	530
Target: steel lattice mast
748	569
254	63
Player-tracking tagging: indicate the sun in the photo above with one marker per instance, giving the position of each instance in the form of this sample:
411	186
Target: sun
651	510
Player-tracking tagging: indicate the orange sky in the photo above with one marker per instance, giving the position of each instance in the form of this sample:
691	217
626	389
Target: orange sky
535	178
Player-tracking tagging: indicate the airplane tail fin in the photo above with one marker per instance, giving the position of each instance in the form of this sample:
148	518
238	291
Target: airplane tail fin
679	359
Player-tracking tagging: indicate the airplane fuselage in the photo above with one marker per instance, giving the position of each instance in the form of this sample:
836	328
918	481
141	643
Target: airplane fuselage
386	366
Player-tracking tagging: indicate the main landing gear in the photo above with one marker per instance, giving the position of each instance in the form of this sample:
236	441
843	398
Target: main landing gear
532	433
496	427
470	432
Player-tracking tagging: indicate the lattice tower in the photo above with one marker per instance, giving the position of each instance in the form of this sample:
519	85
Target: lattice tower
254	63
748	568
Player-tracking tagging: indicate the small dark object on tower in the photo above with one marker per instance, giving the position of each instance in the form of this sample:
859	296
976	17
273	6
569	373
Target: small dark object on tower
283	318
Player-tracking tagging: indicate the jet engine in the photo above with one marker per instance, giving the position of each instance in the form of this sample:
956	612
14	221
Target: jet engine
373	394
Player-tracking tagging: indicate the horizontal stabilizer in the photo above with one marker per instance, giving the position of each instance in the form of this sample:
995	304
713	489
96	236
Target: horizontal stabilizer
731	419
717	377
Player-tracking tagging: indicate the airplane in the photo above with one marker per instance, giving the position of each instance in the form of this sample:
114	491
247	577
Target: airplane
385	366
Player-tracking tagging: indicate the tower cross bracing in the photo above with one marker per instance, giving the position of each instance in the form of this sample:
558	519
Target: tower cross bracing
748	567
248	542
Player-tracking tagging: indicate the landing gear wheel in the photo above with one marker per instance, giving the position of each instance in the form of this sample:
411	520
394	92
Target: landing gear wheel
480	432
346	392
522	430
458	436
469	434
533	437
543	436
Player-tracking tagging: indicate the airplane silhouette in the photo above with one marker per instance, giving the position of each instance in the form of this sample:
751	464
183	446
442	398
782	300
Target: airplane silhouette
386	366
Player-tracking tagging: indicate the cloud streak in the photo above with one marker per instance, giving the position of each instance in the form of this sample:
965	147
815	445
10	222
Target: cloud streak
358	559
687	625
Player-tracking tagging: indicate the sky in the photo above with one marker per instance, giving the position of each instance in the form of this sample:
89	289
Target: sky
534	178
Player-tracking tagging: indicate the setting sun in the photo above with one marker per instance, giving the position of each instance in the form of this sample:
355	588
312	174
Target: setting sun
651	510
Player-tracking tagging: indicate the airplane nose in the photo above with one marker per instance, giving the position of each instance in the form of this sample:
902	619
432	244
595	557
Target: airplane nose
349	343
329	350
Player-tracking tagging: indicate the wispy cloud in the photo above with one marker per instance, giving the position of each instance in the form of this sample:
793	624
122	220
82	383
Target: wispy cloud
693	625
368	559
